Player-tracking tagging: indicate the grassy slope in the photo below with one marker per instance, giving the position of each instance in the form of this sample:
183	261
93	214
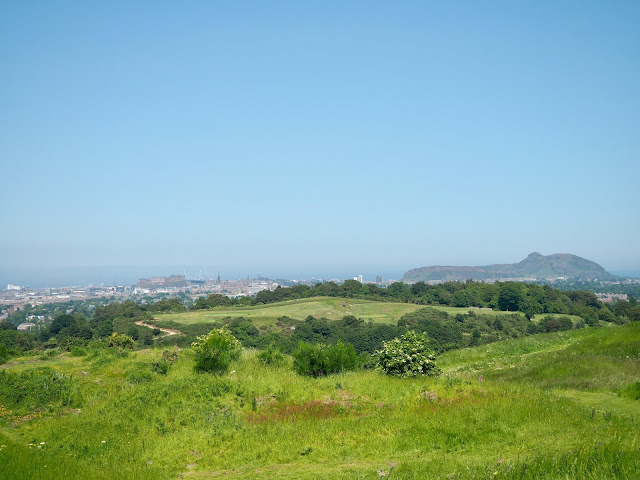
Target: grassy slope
328	307
529	417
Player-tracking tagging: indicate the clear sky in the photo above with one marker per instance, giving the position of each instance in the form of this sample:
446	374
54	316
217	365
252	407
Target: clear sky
279	137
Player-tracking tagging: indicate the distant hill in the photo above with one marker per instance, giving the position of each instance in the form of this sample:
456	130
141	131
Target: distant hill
534	266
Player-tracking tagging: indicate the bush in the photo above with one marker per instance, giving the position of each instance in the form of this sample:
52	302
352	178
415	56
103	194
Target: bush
632	391
215	351
137	376
78	352
166	360
407	356
272	355
552	324
319	360
117	340
160	367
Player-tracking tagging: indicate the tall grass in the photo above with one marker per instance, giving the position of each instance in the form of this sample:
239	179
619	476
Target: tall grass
265	421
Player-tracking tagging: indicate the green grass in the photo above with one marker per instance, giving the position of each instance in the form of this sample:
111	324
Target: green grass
328	307
537	318
547	406
453	311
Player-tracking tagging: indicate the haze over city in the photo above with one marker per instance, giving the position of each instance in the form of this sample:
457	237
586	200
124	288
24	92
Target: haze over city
315	140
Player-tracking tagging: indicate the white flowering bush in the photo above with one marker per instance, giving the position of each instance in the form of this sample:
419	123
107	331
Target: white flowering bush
407	356
215	351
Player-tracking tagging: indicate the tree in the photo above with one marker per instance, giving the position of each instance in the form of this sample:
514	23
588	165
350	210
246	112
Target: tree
510	296
351	288
133	332
61	322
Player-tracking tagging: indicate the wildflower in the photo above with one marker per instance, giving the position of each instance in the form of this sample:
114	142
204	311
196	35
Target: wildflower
382	473
41	443
103	441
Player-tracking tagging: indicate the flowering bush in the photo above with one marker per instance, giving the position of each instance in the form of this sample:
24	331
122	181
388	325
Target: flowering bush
215	351
407	356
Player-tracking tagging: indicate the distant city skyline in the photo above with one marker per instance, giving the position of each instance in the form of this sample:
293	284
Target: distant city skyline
298	138
129	275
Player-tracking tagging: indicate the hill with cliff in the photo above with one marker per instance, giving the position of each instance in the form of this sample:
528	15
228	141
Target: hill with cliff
535	265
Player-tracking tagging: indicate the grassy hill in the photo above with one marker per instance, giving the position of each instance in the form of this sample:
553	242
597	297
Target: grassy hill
328	307
560	405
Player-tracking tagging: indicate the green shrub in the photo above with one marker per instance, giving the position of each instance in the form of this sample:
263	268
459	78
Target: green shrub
50	353
407	356
166	360
138	375
78	352
272	355
125	342
160	367
632	391
215	351
366	361
319	360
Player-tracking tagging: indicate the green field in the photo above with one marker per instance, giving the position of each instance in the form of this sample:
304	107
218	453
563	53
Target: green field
546	406
328	307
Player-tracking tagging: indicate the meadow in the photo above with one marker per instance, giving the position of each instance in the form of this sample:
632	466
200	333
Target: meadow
327	307
331	308
558	405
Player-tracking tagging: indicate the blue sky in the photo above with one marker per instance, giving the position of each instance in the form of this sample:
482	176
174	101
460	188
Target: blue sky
276	137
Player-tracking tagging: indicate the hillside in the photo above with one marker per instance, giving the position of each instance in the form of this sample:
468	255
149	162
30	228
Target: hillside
534	266
560	405
327	307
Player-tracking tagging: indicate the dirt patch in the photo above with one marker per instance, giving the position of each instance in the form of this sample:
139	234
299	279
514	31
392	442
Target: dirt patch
310	410
167	331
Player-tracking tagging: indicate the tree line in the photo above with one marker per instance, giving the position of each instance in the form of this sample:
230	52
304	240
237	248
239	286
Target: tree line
71	328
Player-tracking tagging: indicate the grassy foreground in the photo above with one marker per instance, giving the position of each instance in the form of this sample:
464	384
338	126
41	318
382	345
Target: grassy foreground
547	406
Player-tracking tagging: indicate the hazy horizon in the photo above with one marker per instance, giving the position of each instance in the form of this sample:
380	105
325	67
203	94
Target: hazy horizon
309	138
128	275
